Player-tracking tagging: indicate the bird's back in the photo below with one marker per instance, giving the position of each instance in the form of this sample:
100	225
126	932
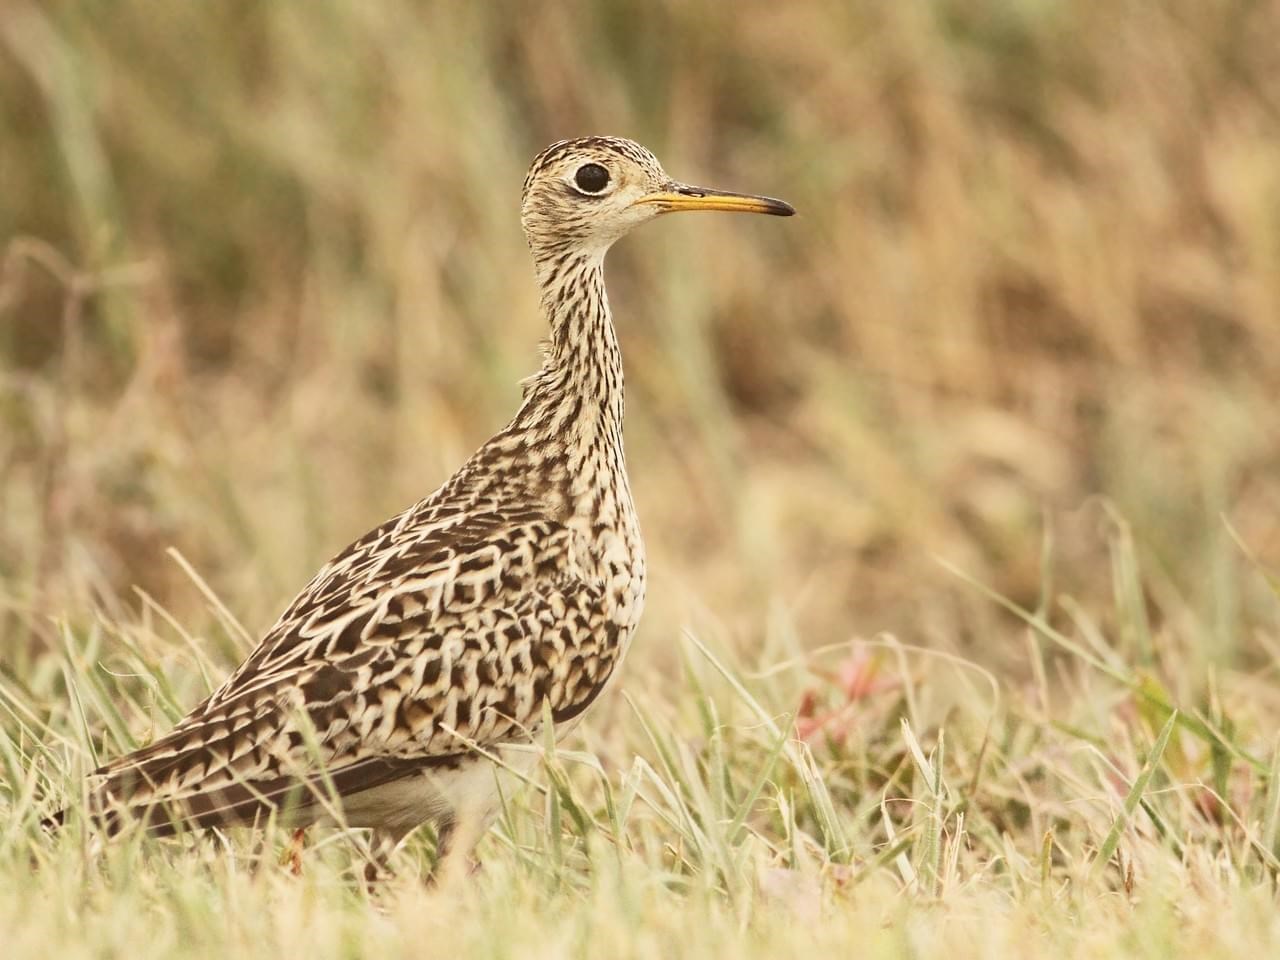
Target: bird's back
451	627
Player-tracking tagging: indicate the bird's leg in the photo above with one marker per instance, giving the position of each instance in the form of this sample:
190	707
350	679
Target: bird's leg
381	846
456	842
385	842
293	855
445	831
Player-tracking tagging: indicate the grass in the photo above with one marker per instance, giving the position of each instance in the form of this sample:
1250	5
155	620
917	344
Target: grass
960	489
915	800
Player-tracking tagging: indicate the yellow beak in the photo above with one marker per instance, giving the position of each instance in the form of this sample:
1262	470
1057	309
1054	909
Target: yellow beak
680	196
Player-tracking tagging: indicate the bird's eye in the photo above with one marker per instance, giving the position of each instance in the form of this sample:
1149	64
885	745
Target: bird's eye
591	178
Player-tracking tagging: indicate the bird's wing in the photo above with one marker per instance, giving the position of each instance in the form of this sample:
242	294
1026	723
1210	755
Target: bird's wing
397	661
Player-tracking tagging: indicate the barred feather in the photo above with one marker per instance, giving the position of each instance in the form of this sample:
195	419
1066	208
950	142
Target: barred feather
447	634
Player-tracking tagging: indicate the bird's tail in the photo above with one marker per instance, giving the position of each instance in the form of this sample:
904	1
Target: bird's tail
167	790
174	783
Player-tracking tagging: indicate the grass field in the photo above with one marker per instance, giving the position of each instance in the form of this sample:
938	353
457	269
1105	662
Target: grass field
961	490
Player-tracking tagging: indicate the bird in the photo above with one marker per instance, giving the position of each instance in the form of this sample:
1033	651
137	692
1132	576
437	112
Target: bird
415	665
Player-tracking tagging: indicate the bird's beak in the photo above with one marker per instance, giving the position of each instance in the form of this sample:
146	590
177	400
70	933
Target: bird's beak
680	196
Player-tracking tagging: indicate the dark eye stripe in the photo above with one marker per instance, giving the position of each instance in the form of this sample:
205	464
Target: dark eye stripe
591	178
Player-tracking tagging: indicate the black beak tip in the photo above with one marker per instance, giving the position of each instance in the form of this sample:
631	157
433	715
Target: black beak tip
773	206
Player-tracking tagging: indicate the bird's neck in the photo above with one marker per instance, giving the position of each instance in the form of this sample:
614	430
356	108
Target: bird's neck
575	401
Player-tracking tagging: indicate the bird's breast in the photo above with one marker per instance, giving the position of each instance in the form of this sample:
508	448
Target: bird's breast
608	549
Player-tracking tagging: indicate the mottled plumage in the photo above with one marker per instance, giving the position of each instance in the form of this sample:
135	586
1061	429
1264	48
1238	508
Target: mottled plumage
452	630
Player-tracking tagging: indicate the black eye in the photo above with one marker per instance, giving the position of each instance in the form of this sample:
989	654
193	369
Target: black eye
591	178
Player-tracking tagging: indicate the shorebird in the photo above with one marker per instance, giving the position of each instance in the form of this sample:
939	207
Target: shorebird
418	661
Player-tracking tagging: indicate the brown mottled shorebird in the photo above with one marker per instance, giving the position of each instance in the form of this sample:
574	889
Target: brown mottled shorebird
440	640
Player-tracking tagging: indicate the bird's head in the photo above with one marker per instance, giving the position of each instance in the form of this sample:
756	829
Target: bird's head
587	193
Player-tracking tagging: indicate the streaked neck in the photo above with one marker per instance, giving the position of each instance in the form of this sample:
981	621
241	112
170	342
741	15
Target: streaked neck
576	398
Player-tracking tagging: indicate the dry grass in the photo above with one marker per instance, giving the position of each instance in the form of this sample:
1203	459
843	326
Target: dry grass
971	473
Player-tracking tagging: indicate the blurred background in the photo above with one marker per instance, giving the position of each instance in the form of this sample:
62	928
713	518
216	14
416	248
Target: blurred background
264	285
